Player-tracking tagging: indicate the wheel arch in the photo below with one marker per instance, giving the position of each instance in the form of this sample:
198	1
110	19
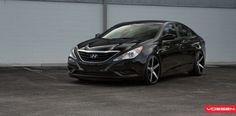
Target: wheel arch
154	49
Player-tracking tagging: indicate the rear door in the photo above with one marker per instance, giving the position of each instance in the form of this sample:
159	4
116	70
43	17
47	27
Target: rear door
169	50
188	37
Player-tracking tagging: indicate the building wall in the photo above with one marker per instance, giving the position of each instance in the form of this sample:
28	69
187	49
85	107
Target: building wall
216	26
44	32
180	3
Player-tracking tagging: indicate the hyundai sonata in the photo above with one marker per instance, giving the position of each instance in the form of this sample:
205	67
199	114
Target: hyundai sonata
144	50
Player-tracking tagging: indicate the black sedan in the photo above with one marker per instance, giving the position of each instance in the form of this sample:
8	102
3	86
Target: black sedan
144	50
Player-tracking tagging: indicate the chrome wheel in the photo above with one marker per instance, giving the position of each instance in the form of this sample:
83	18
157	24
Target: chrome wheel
200	63
153	70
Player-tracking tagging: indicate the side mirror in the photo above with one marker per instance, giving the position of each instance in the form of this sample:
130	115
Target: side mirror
97	35
168	37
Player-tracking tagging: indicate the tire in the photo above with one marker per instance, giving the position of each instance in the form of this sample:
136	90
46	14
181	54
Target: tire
198	65
152	70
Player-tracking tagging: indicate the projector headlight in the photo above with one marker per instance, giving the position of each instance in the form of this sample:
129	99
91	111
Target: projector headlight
130	54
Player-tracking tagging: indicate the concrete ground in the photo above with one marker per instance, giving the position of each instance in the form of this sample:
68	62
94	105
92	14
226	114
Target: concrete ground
28	91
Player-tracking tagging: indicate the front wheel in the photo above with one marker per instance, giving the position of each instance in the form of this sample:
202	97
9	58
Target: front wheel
152	70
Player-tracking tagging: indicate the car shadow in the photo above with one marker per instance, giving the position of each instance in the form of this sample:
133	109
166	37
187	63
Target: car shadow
174	77
110	83
130	83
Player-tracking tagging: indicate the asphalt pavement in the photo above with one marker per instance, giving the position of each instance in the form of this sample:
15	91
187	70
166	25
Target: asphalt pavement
30	91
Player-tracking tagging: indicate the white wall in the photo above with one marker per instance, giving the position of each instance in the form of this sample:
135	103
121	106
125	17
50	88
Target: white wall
44	32
216	26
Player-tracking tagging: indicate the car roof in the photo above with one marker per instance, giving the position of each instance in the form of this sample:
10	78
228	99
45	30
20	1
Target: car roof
146	21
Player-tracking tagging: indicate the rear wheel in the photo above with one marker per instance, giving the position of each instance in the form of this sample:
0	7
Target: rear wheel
152	70
199	64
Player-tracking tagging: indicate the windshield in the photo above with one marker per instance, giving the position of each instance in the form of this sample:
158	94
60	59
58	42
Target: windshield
144	31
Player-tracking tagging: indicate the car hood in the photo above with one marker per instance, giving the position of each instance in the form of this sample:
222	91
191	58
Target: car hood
100	44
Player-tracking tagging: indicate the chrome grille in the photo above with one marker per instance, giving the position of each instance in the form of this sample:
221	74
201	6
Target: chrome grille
96	56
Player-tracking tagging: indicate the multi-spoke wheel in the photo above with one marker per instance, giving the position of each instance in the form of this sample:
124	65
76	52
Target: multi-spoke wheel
199	64
152	70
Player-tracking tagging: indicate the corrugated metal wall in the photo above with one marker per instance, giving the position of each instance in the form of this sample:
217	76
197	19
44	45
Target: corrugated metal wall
217	26
185	3
43	32
188	3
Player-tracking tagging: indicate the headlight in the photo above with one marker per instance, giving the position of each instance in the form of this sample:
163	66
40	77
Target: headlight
130	54
72	53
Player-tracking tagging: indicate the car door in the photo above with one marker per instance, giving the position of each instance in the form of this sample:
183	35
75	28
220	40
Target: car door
170	53
187	37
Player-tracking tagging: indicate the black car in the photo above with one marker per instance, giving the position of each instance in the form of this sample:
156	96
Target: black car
144	50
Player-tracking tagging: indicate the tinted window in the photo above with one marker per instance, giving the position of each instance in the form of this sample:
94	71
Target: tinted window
184	31
169	29
145	31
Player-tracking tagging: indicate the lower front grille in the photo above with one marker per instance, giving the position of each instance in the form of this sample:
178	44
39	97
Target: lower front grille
96	56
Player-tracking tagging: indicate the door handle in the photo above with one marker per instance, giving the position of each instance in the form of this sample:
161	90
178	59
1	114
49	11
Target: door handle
184	41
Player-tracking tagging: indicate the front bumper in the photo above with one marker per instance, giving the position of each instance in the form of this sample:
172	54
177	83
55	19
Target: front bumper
125	69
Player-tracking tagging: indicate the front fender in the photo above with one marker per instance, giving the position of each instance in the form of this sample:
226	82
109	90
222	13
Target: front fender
150	49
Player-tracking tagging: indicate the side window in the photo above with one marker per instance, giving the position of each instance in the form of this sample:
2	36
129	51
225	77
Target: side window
184	31
169	29
190	33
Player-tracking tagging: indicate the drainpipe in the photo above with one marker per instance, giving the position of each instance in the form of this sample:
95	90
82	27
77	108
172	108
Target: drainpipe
104	13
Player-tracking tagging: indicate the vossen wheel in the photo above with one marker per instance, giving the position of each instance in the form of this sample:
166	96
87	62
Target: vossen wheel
199	64
152	70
